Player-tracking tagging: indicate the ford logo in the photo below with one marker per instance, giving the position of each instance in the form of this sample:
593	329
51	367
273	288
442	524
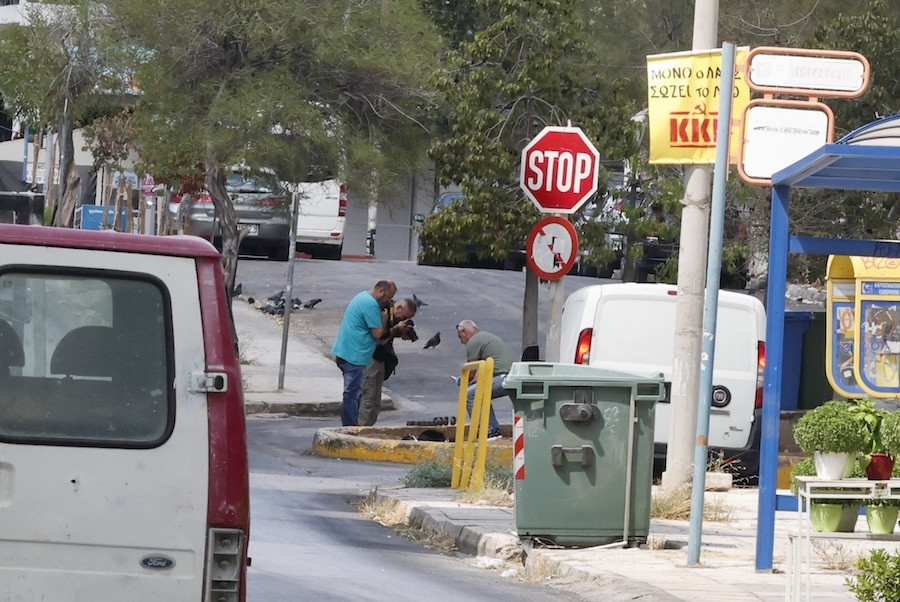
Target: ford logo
157	562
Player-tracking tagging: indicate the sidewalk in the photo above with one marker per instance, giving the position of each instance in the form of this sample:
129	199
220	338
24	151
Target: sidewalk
313	385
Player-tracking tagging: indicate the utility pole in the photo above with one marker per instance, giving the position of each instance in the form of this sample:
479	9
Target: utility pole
692	253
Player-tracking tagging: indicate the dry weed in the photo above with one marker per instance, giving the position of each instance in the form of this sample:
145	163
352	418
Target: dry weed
834	555
676	505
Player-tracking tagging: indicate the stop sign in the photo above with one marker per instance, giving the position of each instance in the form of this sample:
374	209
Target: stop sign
559	169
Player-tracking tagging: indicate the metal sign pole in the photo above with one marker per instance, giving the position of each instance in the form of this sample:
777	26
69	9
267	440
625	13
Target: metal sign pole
289	287
713	273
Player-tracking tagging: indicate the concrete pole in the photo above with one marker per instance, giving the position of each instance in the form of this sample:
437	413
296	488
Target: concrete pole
691	284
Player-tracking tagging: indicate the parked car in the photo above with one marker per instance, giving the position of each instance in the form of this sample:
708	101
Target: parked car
261	206
122	433
321	218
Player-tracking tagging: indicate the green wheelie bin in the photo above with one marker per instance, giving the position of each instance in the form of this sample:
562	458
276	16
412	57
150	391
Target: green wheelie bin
583	442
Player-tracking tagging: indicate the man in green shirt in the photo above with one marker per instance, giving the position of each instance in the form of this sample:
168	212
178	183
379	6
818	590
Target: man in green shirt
481	345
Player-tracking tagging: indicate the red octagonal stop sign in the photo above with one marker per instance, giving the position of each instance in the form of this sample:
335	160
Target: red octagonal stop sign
559	169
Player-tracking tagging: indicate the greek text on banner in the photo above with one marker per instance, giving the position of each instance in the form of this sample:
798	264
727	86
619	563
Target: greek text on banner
683	94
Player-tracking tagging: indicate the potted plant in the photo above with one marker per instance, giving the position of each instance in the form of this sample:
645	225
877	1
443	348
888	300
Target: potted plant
825	515
881	515
876	456
830	432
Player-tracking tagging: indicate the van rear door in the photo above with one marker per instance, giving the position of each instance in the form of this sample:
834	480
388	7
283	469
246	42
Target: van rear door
103	444
634	331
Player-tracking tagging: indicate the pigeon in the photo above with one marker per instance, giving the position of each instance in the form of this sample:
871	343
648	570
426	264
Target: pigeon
433	341
311	303
419	303
237	289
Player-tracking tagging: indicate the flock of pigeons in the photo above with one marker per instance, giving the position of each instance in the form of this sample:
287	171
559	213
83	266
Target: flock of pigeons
275	304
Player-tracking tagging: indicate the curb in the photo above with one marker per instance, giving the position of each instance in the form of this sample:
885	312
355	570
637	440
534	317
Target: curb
328	408
351	442
324	408
474	541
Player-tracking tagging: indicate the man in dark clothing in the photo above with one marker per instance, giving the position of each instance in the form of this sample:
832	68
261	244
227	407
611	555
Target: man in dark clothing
384	360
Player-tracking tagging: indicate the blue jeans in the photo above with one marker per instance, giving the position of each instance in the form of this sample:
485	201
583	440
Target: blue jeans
353	381
497	390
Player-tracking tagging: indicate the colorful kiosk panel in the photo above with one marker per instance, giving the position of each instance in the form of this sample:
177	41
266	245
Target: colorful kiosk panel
863	349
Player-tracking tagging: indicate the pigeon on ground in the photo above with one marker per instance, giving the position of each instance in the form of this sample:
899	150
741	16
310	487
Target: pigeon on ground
311	303
419	303
237	289
433	341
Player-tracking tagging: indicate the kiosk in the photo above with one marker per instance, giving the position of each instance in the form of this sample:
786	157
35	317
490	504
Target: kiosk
863	344
866	159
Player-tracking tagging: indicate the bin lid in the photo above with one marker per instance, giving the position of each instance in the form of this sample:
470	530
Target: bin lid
573	374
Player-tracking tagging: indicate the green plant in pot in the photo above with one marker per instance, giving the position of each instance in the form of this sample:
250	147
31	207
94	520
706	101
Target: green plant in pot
876	457
831	432
881	515
825	515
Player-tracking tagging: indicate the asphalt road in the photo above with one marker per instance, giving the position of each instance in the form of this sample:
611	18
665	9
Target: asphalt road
421	387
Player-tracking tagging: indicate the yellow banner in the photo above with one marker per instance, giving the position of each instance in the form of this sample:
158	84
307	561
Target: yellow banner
683	92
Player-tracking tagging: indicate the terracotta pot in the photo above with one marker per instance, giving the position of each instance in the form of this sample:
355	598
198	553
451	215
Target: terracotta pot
880	467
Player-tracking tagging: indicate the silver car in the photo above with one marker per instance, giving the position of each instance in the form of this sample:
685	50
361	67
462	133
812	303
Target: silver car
261	208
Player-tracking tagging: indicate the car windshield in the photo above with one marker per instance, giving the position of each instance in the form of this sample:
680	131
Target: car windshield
240	183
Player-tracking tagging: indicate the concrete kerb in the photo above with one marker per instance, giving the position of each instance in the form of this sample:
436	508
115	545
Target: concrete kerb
386	444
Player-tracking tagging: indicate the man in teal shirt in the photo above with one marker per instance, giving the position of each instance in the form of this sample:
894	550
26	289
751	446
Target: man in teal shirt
361	328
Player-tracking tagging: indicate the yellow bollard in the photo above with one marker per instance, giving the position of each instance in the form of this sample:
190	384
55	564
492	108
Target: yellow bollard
469	466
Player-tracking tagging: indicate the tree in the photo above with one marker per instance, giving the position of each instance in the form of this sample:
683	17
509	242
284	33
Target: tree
875	34
60	71
529	68
309	90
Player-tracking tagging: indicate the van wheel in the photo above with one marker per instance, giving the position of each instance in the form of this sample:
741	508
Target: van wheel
333	253
280	252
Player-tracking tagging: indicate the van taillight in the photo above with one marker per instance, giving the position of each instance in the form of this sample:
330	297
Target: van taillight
760	372
223	565
342	202
583	350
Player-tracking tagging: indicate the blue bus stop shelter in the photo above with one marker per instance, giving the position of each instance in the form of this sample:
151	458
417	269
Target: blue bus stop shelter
866	159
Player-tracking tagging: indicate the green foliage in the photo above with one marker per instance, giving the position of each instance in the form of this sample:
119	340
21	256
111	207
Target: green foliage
878	577
830	427
435	474
890	433
869	418
428	474
530	66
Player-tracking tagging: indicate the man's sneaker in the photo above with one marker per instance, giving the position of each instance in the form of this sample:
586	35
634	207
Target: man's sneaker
494	434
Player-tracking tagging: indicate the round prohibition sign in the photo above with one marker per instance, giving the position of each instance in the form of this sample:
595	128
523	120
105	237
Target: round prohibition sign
552	248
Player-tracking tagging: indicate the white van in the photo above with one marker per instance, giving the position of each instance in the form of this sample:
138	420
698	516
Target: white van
123	454
631	328
320	222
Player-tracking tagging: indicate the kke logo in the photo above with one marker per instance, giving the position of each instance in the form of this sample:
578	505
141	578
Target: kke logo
693	129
